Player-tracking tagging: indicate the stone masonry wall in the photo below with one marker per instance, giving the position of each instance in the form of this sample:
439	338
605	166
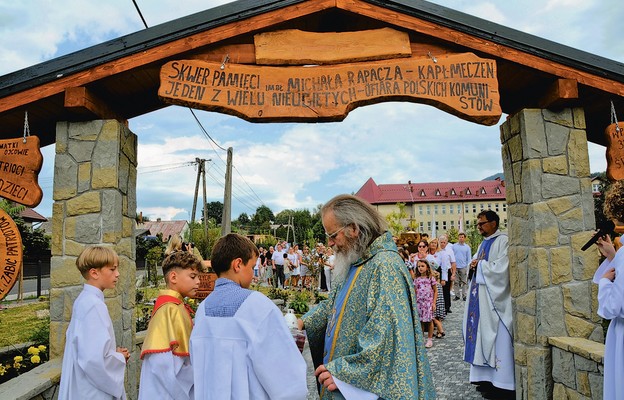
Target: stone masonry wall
551	215
94	203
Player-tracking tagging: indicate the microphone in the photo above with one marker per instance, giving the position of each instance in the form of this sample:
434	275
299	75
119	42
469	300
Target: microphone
604	229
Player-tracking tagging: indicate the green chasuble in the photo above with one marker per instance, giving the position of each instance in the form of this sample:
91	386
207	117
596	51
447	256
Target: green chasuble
379	345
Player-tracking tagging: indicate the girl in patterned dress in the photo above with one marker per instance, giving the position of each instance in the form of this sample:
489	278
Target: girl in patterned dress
426	295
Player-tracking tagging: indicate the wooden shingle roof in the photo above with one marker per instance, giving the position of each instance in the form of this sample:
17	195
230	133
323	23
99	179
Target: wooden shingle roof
121	76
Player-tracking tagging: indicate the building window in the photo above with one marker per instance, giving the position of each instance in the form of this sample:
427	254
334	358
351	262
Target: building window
443	208
474	208
466	208
504	207
429	226
467	224
498	191
420	210
459	209
444	225
421	226
468	192
496	207
482	206
428	210
451	209
452	223
422	193
437	192
453	192
505	223
435	209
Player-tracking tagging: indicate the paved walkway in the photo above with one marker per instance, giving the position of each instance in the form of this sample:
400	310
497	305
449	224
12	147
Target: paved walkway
450	373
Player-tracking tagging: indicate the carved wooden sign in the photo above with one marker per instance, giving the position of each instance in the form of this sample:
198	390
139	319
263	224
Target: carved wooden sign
461	84
20	164
10	254
615	151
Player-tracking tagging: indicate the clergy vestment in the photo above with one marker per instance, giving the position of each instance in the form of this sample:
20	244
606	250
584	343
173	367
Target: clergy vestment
166	372
242	349
92	368
611	306
368	331
488	324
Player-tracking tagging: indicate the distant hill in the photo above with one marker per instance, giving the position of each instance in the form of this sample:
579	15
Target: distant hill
495	176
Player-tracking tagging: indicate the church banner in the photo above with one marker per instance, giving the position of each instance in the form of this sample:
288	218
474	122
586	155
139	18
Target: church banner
20	163
461	84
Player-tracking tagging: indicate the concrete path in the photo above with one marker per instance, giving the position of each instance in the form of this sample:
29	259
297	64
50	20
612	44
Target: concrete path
450	373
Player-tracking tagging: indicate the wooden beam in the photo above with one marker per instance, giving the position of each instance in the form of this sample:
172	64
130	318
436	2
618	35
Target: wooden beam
171	49
296	47
477	44
83	101
562	93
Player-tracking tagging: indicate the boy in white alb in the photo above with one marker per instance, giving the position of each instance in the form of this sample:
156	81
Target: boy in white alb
240	346
166	373
93	366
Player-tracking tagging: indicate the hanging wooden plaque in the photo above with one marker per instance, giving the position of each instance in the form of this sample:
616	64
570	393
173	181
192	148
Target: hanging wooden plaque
10	254
20	164
462	84
615	151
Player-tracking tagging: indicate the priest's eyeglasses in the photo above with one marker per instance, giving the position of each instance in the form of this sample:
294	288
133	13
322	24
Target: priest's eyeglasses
332	236
483	223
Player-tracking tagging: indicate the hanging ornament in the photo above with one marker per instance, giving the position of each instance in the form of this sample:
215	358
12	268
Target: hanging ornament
615	147
20	163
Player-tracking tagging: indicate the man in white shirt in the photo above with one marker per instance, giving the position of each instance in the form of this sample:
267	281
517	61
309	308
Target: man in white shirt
278	262
450	256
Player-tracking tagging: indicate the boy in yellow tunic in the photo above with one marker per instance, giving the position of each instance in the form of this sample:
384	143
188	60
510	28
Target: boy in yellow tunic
166	372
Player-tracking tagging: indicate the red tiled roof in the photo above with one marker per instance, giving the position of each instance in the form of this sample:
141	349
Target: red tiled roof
167	228
431	192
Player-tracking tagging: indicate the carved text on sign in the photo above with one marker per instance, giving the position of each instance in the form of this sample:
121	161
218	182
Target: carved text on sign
10	254
615	151
20	164
461	84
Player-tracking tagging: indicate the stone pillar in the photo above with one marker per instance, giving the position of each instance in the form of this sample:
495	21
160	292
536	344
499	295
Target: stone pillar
551	215
94	203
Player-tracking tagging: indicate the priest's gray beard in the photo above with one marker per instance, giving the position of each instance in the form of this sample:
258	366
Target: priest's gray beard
345	257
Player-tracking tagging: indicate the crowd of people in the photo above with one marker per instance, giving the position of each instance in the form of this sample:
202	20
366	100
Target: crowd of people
293	266
367	340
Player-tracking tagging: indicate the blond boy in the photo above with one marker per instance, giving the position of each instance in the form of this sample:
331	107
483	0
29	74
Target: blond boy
93	366
166	372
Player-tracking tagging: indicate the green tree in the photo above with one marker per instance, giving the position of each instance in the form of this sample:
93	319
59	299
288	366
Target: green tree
243	219
453	234
473	237
261	220
599	200
395	219
34	241
214	211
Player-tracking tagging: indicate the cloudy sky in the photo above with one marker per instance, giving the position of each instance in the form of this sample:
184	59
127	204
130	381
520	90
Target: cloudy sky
293	166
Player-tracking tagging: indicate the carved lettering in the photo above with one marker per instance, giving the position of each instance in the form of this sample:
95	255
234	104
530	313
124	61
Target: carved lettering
464	84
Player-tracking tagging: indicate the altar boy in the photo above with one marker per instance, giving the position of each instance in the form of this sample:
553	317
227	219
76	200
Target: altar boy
93	366
166	373
240	345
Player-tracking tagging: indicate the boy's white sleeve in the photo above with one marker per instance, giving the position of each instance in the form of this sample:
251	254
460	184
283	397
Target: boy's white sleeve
96	352
165	376
277	361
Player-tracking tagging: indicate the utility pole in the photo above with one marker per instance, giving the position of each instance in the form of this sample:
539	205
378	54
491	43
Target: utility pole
226	220
201	172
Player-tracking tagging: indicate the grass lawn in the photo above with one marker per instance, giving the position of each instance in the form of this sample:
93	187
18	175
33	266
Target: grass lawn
17	324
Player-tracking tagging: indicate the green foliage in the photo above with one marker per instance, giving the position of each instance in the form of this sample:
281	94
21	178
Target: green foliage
318	297
34	241
277	293
154	259
144	245
214	211
299	303
453	234
395	219
244	219
41	334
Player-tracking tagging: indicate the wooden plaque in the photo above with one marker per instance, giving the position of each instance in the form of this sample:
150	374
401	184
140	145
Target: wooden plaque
10	254
461	84
295	47
206	284
615	151
20	164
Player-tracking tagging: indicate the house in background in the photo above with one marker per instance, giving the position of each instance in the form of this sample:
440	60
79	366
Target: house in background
436	207
33	219
166	228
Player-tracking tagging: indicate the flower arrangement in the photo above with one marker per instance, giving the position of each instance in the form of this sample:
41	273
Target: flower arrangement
35	355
